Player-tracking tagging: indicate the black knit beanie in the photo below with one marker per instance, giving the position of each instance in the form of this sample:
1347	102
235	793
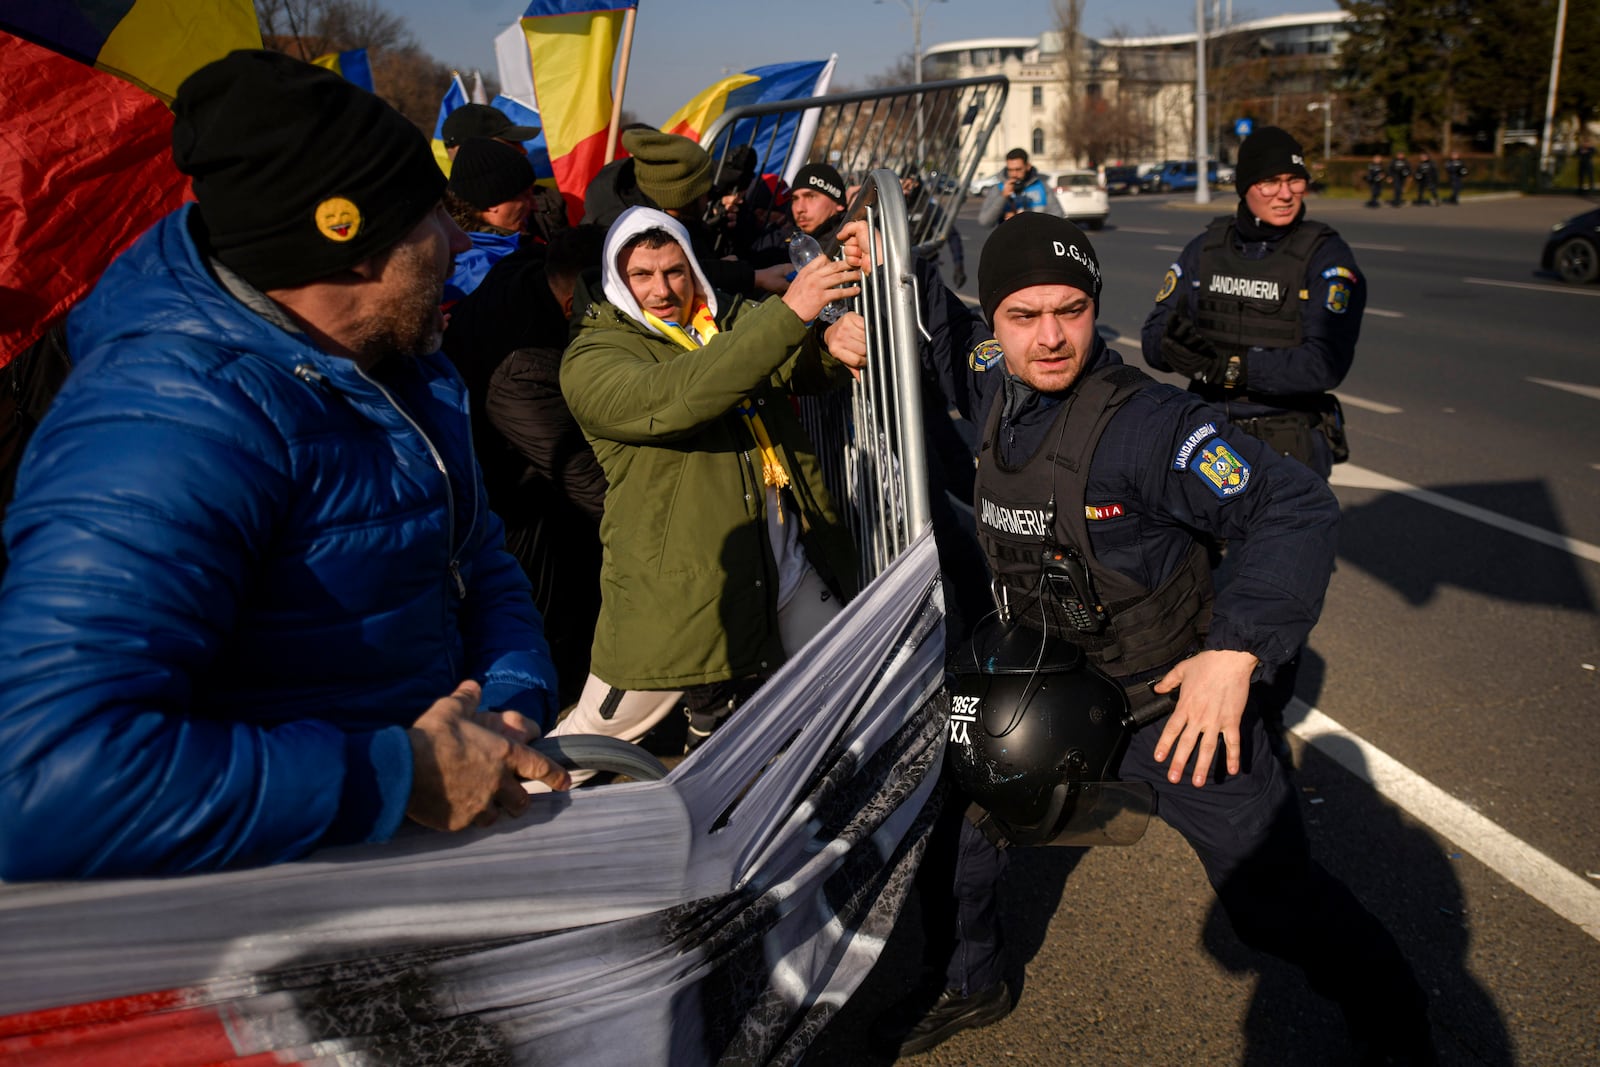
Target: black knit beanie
735	170
823	178
486	173
1265	154
298	173
1033	248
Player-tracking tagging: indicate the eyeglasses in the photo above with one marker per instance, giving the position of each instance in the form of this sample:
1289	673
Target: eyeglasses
1271	188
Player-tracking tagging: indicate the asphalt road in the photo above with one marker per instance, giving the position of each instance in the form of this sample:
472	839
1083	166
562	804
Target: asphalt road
1450	698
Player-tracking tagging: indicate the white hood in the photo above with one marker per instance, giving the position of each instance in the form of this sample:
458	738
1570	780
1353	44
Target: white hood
630	224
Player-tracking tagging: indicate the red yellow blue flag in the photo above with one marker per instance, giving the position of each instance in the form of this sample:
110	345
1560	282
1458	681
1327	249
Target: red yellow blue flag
154	44
89	138
572	45
777	139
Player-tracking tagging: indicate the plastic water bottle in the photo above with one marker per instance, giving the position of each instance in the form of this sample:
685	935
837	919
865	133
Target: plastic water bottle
803	248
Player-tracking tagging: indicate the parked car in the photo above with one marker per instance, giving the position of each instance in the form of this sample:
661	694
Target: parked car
1573	249
1179	174
1081	198
979	186
1125	181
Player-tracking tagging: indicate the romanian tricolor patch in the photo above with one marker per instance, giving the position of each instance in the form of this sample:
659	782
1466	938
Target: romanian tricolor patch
985	355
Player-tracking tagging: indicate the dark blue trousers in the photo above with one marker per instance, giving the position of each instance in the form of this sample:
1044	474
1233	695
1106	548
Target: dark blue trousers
1247	831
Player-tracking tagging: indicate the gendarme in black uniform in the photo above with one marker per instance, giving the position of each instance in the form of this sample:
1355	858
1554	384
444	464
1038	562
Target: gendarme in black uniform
1130	474
1264	318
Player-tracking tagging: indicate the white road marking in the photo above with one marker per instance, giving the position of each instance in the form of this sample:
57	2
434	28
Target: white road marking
1349	476
1169	248
1153	233
1369	405
1379	248
1383	314
1518	862
1590	391
1572	290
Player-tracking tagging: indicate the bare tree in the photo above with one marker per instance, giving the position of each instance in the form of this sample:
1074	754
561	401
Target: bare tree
402	73
363	24
1069	24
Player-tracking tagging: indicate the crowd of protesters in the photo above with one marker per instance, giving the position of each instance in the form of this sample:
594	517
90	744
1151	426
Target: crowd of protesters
327	521
365	478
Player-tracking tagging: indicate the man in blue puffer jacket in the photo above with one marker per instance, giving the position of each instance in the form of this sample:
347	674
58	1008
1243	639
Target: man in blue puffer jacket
256	595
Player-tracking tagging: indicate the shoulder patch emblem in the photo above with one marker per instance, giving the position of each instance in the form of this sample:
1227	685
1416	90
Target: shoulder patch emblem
985	355
338	219
1220	467
1341	272
1102	512
1170	282
1338	300
1198	436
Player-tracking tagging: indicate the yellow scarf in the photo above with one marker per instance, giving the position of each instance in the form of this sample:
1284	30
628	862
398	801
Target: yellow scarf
703	327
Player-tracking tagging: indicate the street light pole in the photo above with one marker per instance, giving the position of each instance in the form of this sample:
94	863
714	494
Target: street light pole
916	8
1326	107
1550	101
1202	187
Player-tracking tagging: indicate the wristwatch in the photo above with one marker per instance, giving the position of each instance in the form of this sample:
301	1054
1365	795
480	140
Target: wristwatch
1231	373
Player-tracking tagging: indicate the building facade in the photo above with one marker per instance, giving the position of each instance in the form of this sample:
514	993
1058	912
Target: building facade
1131	99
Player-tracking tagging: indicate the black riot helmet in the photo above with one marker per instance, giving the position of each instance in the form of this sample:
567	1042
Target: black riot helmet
1035	731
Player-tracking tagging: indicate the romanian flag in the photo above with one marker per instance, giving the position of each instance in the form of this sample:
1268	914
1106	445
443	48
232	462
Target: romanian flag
454	97
89	151
352	66
572	45
154	44
780	141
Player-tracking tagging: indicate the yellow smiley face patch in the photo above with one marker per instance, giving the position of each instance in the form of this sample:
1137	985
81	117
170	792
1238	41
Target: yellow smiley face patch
338	219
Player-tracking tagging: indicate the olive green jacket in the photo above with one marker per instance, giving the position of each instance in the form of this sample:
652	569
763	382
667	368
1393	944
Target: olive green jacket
689	583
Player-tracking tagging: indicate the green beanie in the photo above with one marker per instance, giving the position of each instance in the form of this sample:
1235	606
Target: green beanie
671	170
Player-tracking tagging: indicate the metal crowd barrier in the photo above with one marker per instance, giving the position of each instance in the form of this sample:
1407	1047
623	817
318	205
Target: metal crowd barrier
870	442
937	130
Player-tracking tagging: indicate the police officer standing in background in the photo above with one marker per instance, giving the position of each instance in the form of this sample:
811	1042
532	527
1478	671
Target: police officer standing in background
1456	171
1375	179
1427	181
1399	171
1086	458
1262	312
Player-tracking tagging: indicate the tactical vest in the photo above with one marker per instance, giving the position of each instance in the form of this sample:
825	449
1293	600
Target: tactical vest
1249	302
1031	517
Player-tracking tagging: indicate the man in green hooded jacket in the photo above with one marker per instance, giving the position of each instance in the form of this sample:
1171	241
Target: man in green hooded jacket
723	553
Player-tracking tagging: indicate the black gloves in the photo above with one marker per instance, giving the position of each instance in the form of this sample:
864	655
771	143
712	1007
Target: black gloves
958	276
1188	352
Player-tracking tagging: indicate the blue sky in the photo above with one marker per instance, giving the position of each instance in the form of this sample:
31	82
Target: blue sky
681	46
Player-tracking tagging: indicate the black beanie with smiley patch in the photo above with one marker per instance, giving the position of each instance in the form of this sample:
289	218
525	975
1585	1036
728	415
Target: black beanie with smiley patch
298	174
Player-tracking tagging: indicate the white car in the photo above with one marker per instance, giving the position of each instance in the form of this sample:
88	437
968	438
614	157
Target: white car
1081	198
980	185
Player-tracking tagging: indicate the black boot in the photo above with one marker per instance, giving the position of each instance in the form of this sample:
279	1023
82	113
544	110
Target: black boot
925	1019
